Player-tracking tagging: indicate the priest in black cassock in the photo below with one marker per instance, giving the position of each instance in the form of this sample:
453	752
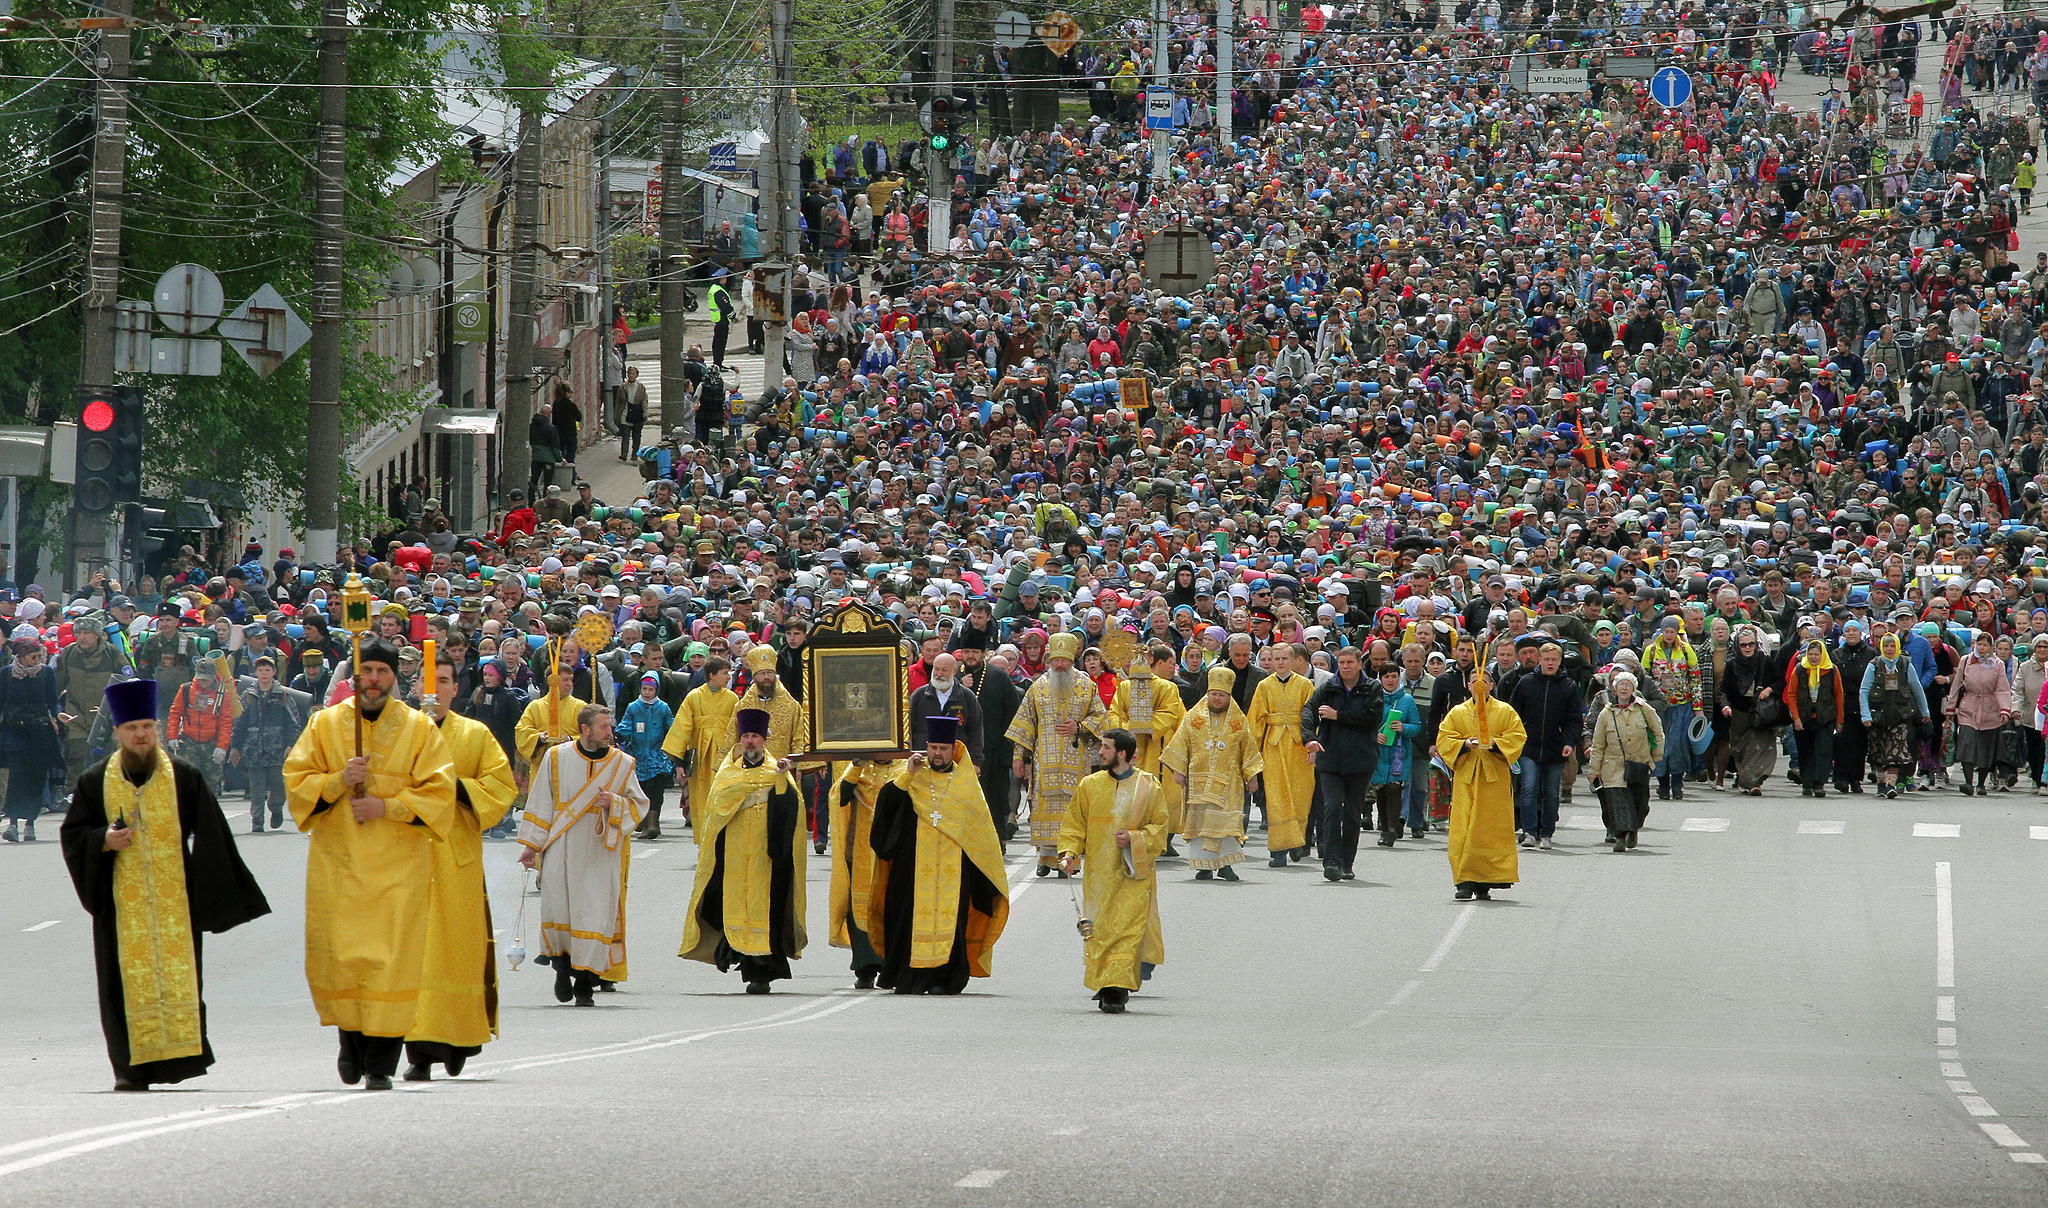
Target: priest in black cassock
940	894
155	864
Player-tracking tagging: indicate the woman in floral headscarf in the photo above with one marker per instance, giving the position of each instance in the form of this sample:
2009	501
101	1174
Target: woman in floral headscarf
1891	701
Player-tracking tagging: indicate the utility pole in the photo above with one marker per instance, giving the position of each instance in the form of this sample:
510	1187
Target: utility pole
323	385
516	467
90	535
1226	71
675	338
1162	140
938	175
613	372
780	238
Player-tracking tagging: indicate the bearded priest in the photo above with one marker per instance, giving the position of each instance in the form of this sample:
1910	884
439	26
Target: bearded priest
155	864
940	896
747	907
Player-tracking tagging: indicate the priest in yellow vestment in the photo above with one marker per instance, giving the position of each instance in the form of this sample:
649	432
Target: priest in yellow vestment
787	729
1216	761
1148	704
747	906
702	735
458	1012
940	894
1116	828
1057	725
155	865
374	819
1290	775
1480	740
549	719
586	799
852	804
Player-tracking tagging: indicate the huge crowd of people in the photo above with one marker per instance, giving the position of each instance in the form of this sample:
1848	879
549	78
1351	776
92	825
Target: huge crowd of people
1713	435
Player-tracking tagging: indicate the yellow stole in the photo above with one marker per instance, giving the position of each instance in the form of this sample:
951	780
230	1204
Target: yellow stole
606	773
153	919
737	809
952	805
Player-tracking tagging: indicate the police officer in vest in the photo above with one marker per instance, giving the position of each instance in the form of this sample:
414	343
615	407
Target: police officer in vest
721	303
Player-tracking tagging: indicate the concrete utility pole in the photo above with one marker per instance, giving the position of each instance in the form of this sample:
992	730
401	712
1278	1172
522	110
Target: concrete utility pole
90	536
323	386
938	177
1226	69
613	372
1162	140
517	466
675	335
779	238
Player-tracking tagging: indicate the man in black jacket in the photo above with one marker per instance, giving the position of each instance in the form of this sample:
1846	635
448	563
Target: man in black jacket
999	698
944	694
1343	718
1548	703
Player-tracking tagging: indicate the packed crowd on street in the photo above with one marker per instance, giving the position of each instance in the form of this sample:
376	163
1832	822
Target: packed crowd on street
1520	446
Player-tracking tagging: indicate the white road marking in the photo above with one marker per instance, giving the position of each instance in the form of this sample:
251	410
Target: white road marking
207	1117
1704	824
226	1115
1822	828
2003	1135
1450	937
46	923
1402	994
60	1138
1945	1037
2037	832
642	855
1944	928
1937	830
1945	1008
1951	1069
1582	822
1962	1086
1071	1130
981	1178
1975	1105
2028	1157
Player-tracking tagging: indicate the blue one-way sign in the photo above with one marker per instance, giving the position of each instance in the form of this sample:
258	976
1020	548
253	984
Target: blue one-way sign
1671	87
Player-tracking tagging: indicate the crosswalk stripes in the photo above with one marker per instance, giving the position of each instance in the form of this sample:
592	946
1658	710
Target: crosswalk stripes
1704	824
1822	828
1937	830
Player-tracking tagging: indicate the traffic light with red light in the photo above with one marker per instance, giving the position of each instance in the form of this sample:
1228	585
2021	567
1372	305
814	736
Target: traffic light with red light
109	469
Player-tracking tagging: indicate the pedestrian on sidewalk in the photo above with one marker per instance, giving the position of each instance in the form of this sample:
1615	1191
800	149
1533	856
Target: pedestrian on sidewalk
568	417
632	414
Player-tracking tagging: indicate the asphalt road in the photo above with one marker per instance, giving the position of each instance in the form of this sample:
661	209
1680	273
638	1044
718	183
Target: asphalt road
1736	1013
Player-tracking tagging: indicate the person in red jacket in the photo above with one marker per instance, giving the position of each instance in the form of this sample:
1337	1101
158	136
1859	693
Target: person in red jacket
519	519
202	722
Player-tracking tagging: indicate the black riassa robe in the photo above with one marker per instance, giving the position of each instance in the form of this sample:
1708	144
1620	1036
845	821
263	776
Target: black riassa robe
785	812
894	838
222	892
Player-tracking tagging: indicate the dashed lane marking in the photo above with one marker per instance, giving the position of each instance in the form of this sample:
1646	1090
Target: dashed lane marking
981	1178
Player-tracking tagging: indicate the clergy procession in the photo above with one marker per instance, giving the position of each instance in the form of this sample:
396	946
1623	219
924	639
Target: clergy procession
397	792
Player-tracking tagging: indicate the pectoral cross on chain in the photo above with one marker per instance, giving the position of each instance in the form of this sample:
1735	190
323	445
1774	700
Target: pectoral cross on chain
935	817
